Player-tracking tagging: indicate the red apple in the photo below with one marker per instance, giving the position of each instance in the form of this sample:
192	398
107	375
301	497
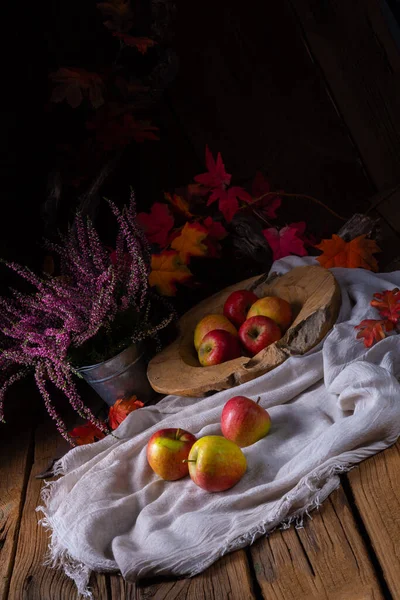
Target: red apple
216	464
257	333
209	323
244	421
238	304
275	308
217	347
166	449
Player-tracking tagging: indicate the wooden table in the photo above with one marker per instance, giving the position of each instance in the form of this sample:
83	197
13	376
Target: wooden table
349	550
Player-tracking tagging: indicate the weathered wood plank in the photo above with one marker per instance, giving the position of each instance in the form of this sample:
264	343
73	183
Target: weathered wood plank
325	560
376	488
15	463
352	44
227	578
30	579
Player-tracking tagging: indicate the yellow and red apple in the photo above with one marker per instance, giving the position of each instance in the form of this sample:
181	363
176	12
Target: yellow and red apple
277	309
238	304
258	332
216	464
244	421
166	449
210	323
218	346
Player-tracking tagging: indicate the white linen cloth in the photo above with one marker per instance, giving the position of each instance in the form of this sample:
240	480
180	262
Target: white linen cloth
330	409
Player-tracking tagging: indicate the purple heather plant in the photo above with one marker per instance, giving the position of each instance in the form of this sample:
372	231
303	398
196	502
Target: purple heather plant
96	295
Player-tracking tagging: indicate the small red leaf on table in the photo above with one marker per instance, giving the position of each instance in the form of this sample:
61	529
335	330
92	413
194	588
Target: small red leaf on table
86	434
167	268
228	200
373	330
215	229
388	304
121	409
285	241
157	224
357	253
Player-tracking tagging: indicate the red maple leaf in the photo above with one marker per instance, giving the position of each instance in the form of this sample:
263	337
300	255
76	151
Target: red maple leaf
388	304
270	204
285	241
216	176
228	200
86	434
215	229
121	409
157	224
141	43
373	330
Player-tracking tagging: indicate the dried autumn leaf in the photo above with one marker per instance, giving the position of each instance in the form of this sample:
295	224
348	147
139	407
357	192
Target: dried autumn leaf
285	241
388	304
167	269
270	204
115	129
141	43
86	434
157	224
228	200
74	84
355	254
121	409
216	176
179	204
215	229
373	330
189	242
118	14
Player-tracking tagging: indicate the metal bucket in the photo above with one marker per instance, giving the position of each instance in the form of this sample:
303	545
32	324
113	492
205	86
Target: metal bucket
122	376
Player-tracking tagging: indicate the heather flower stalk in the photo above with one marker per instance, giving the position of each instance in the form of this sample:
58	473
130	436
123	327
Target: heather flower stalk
40	331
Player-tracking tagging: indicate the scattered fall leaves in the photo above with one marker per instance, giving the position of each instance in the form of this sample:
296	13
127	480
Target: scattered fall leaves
286	241
121	409
74	84
86	434
189	242
167	268
355	254
157	224
373	330
388	304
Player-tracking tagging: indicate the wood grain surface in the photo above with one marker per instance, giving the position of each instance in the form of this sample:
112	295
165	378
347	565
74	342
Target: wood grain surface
325	560
315	299
375	485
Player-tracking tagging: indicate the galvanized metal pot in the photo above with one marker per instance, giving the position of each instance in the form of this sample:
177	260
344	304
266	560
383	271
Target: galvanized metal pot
122	376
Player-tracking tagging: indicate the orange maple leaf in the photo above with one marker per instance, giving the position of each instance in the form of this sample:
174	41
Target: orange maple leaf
189	242
86	434
179	204
74	84
121	409
118	14
355	254
167	268
141	43
388	304
373	330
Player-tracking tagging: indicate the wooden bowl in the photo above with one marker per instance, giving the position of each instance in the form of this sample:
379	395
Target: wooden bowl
315	299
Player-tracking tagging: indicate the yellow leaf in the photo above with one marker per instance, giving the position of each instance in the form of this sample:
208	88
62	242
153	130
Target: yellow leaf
189	242
355	254
167	268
